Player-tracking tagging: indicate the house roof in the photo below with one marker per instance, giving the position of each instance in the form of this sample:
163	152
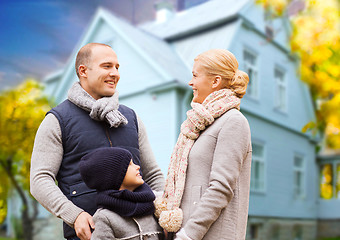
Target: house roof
155	50
195	19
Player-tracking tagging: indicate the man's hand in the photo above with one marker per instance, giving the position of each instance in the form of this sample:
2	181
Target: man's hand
82	226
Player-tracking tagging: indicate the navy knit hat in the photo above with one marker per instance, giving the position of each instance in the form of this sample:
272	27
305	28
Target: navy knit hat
105	168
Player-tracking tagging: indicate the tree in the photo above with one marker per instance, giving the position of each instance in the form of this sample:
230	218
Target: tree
22	110
316	40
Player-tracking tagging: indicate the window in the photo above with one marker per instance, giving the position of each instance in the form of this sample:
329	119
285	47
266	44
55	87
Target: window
297	232
338	180
326	181
254	232
257	168
281	90
275	233
330	180
250	66
299	176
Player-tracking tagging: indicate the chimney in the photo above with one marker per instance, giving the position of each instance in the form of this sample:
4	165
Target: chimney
164	11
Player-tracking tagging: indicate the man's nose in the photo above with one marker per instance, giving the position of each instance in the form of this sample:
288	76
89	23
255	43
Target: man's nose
114	72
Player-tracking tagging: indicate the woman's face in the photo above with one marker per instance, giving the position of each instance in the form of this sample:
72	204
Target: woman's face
201	83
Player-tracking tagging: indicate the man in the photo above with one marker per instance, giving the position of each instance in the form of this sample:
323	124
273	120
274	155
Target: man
90	118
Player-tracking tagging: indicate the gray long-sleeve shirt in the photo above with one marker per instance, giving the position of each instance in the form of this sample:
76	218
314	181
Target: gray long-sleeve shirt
46	160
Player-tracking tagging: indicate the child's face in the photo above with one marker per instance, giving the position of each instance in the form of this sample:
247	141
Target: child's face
132	179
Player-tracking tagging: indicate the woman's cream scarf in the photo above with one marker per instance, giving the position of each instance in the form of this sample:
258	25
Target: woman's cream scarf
198	118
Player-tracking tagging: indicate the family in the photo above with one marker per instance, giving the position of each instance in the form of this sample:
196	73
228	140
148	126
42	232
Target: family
93	167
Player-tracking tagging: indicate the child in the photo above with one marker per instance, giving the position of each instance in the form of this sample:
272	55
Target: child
125	202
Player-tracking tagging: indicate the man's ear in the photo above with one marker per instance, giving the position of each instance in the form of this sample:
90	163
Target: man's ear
217	82
82	70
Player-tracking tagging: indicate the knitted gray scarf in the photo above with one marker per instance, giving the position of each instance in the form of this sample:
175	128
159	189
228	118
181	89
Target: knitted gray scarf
105	108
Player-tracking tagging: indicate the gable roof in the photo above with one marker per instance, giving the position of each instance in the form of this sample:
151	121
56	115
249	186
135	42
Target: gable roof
155	50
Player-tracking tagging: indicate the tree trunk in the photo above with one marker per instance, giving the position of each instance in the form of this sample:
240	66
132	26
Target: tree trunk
27	221
27	224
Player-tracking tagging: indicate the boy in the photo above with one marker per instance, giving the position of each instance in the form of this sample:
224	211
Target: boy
125	202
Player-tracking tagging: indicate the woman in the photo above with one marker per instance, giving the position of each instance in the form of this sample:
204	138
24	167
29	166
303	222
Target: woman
207	189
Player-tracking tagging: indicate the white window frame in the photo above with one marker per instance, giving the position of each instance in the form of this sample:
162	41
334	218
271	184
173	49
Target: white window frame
299	191
334	165
251	68
258	185
281	86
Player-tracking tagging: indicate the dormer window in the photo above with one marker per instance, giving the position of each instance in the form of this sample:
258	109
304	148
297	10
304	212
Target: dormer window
250	67
281	90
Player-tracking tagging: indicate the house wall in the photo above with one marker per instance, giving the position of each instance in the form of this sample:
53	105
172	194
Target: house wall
255	14
158	111
280	146
299	109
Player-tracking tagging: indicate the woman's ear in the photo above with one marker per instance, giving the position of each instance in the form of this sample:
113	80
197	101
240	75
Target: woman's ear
82	70
217	82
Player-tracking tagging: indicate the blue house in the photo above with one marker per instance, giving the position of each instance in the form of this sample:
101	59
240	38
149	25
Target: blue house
156	60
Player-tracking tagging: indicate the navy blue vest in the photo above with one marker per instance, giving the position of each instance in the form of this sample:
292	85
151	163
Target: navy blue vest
80	135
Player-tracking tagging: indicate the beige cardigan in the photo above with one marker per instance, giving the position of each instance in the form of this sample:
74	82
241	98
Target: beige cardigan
216	194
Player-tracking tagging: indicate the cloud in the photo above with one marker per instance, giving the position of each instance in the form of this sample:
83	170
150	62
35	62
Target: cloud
9	80
2	74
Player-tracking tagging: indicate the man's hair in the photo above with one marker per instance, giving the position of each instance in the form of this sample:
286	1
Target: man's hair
84	55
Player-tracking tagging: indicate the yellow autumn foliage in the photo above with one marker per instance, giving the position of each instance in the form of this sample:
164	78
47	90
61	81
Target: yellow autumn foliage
274	6
316	40
22	110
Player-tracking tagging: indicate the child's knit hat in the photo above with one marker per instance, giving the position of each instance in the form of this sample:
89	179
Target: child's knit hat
105	168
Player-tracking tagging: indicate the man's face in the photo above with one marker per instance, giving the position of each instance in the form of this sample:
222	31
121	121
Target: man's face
101	77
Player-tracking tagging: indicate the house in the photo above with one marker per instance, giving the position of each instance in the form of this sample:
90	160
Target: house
156	60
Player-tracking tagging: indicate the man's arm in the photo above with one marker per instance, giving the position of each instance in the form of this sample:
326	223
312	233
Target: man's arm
152	174
45	163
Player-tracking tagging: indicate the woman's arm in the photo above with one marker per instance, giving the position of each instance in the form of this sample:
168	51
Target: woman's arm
231	149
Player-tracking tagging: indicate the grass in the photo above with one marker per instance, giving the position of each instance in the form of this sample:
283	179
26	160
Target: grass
336	238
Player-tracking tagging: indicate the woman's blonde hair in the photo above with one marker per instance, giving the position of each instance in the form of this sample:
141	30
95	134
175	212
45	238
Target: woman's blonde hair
221	62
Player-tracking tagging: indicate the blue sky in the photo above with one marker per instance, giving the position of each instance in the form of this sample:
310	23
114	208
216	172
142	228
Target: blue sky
38	36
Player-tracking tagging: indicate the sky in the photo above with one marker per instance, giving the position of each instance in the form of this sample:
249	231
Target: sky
38	36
